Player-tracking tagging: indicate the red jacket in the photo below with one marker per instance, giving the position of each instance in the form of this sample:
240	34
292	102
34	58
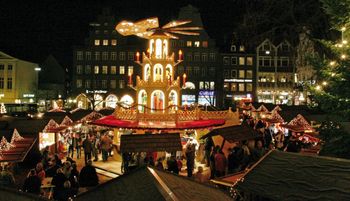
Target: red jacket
220	162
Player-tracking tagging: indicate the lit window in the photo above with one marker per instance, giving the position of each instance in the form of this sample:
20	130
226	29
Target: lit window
205	43
249	74
241	87
130	70
226	86
113	70
79	55
241	61
104	69
113	42
122	70
249	87
233	87
79	69
189	43
104	84
241	74
113	84
79	83
158	48
105	42
97	42
121	84
197	43
212	85
249	61
96	69
241	48
283	79
201	85
87	69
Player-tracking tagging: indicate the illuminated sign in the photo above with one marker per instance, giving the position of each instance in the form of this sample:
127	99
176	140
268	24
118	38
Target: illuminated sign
28	95
237	80
96	92
206	93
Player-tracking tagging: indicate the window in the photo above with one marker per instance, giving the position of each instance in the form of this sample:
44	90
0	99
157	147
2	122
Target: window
189	43
113	70
233	74
94	84
204	71
197	44
104	69
113	56
189	57
180	70
2	66
97	42
113	42
205	43
211	71
233	87
201	85
87	69
122	70
131	56
212	85
196	56
1	82
97	31
249	74
79	55
249	61
104	84
283	62
226	74
233	60
241	48
226	86
249	87
113	84
97	56
212	57
233	48
283	79
9	83
105	32
88	55
181	43
241	74
226	60
105	42
241	87
121	84
79	83
87	84
196	71
189	70
241	61
9	67
96	69
204	57
104	56
265	61
122	56
130	70
79	69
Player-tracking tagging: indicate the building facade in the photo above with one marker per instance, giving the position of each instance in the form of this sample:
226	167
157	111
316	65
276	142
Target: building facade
103	68
275	69
18	80
239	75
201	67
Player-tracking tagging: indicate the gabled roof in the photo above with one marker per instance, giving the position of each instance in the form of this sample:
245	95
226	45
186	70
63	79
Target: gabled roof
234	133
3	55
145	184
29	126
291	176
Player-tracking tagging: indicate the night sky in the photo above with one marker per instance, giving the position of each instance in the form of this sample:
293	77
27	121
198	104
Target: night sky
32	30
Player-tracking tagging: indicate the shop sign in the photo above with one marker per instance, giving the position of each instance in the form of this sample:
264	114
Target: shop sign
238	80
28	95
206	93
96	91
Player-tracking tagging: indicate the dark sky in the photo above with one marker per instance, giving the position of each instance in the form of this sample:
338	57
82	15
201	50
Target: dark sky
34	29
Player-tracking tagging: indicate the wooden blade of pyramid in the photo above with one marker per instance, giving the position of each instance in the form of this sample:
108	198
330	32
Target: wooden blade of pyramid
171	35
185	33
185	28
176	23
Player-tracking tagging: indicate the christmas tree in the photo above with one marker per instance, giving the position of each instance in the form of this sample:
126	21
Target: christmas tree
2	108
16	137
331	92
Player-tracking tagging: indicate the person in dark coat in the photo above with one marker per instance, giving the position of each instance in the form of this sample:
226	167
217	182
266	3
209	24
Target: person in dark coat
32	183
190	156
58	181
208	147
87	146
172	165
88	176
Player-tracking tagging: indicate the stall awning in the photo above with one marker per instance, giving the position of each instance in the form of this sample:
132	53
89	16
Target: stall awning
234	133
19	151
150	143
111	121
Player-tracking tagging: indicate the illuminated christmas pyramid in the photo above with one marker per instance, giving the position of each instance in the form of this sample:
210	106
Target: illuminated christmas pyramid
156	89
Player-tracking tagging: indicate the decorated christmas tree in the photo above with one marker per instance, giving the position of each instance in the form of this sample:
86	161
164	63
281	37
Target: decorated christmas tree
16	137
2	108
5	145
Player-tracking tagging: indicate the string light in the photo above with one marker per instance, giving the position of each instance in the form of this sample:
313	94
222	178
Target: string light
332	63
324	83
343	56
343	28
333	74
318	87
345	42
